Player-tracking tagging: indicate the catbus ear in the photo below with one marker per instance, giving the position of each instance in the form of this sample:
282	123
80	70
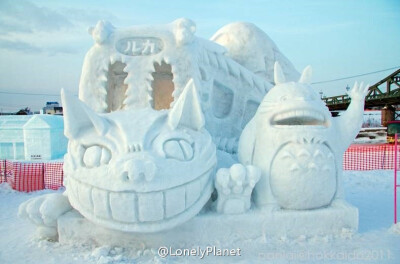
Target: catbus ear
187	111
79	118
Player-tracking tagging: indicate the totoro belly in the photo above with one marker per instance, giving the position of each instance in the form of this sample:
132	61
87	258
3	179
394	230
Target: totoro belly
303	176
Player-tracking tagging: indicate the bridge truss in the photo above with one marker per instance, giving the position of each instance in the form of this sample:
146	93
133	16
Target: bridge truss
384	92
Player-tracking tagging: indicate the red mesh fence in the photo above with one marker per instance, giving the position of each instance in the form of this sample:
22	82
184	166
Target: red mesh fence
28	177
9	172
53	175
369	157
3	177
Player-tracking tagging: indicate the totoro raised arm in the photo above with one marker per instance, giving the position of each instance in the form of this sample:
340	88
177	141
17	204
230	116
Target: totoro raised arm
349	123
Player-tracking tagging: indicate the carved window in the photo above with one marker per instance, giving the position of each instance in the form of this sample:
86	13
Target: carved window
163	86
222	100
249	111
116	86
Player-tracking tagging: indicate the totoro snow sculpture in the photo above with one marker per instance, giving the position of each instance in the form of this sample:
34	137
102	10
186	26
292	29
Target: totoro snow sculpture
298	145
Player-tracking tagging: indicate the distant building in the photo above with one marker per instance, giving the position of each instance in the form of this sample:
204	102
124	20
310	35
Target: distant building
52	108
25	111
34	137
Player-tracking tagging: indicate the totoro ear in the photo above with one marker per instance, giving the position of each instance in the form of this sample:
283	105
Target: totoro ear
187	111
79	118
279	77
306	75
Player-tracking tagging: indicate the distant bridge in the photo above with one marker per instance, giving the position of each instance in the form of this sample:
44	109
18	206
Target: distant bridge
376	97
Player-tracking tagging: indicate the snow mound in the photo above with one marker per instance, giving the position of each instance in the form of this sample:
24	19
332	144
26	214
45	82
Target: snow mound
251	47
6	188
395	228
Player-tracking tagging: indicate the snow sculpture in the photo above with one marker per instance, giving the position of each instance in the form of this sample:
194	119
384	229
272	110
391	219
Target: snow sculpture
32	137
126	68
142	170
155	103
298	145
44	211
234	187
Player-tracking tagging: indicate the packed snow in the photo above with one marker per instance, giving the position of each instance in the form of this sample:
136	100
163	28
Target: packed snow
377	241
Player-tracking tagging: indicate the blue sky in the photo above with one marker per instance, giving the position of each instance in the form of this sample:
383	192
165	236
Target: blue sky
43	42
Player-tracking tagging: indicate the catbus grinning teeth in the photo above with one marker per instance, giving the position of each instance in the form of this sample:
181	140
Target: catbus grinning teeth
145	208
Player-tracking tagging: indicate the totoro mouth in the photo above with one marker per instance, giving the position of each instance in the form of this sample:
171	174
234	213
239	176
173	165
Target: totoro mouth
299	118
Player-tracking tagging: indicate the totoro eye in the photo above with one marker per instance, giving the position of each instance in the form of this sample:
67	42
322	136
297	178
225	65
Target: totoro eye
95	156
179	149
283	98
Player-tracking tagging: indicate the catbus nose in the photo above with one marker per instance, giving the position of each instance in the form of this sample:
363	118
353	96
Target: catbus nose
138	170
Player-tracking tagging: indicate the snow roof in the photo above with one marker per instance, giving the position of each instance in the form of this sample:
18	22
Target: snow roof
13	121
251	47
45	121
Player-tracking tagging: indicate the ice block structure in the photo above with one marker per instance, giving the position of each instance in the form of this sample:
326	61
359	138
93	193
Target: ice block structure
34	137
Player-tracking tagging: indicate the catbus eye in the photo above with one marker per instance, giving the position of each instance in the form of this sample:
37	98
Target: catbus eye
179	149
96	155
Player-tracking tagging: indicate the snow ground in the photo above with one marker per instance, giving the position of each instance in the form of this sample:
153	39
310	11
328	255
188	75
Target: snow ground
378	241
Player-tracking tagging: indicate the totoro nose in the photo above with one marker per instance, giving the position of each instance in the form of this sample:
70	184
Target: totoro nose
305	97
138	170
